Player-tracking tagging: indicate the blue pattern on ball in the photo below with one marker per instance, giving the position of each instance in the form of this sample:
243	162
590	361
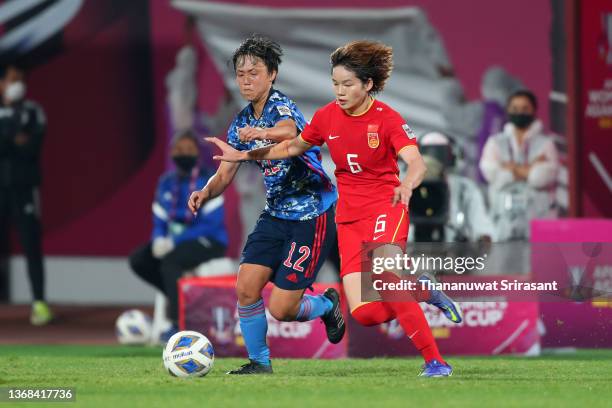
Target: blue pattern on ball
190	366
184	342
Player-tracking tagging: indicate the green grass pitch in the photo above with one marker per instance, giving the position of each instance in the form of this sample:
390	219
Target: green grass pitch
108	376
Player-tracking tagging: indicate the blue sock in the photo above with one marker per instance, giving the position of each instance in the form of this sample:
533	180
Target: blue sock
312	307
254	326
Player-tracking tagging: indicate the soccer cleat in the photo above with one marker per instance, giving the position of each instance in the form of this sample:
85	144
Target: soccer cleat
436	369
439	299
252	367
334	322
41	313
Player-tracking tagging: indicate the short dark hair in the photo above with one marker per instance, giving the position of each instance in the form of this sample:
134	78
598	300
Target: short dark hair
524	93
261	47
185	134
368	60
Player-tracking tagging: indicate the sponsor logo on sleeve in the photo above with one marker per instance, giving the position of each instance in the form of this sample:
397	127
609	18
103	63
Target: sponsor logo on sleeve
284	111
409	132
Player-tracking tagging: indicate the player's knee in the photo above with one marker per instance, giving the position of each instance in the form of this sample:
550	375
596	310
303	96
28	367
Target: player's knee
247	295
133	262
281	312
136	264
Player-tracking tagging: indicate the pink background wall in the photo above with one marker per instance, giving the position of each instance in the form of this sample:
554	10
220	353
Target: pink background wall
104	97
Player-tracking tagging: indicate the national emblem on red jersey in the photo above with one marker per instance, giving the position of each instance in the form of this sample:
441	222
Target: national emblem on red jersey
373	141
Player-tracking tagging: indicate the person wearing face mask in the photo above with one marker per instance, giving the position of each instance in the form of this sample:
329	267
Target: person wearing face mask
22	127
180	240
521	166
497	84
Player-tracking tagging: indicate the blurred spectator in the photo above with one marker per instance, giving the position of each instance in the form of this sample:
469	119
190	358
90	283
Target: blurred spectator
466	218
472	122
22	126
497	85
180	241
520	164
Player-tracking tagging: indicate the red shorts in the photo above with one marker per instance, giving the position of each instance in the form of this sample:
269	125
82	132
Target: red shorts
388	226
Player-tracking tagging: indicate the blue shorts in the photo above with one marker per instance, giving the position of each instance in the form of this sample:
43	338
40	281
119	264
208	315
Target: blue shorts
294	250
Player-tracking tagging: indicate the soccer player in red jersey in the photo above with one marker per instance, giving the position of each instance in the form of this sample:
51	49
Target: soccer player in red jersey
365	138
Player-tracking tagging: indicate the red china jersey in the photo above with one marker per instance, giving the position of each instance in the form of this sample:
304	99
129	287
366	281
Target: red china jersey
365	149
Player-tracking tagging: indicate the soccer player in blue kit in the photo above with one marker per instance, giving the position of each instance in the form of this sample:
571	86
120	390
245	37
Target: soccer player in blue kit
296	230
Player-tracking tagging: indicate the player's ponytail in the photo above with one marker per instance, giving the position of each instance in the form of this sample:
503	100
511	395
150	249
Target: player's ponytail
368	60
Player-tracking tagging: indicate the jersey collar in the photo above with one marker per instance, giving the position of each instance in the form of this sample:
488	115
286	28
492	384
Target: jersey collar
364	112
252	109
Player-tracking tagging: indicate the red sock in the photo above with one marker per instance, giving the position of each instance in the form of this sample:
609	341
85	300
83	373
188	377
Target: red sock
412	319
421	295
373	313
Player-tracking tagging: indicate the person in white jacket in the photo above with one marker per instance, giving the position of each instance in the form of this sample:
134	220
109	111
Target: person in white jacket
520	165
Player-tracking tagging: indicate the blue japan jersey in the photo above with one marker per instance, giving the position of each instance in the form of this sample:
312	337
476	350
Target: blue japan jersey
297	188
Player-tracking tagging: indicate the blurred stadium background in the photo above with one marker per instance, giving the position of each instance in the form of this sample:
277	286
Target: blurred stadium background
117	78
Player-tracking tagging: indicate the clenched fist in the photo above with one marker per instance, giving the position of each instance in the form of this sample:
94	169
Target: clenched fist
197	200
402	194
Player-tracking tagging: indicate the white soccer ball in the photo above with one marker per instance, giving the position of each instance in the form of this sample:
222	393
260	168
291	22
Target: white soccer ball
189	354
133	327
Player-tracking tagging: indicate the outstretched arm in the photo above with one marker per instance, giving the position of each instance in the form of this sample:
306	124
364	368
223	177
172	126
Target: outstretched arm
282	150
